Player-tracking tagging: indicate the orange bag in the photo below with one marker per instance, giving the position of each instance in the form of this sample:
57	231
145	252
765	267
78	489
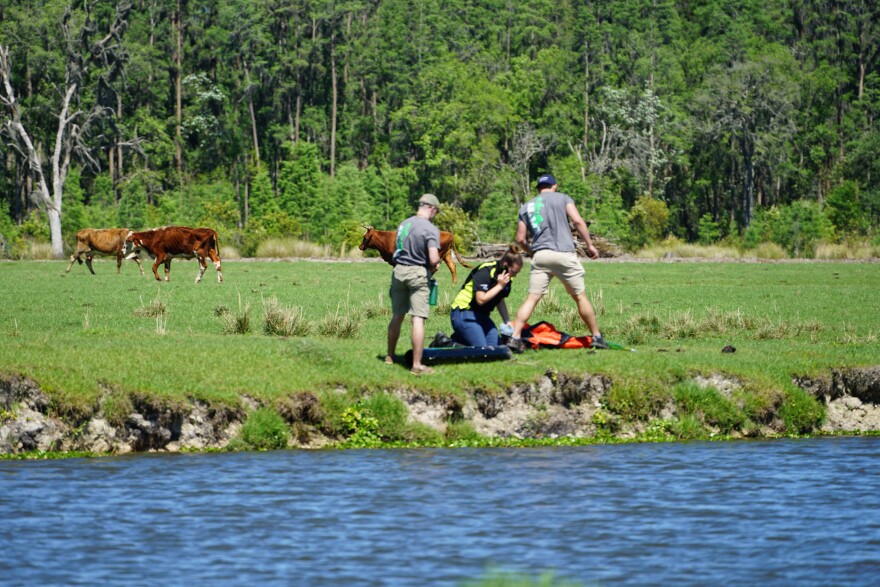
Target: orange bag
544	335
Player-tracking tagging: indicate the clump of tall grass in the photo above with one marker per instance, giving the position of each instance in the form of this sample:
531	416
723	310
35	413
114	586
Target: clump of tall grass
264	429
770	251
291	247
784	329
228	252
848	250
281	321
570	317
554	303
444	305
237	322
36	251
375	308
343	323
716	323
676	248
152	309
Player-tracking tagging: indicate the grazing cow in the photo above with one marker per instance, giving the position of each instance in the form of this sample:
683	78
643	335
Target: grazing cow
104	241
176	242
384	241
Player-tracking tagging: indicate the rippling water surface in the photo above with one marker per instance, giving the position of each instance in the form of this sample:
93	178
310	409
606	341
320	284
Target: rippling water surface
786	512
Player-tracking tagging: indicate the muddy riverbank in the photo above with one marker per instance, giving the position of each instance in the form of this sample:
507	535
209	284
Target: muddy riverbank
554	406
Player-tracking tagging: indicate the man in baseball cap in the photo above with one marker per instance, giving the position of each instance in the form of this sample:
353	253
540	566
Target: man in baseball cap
416	258
543	231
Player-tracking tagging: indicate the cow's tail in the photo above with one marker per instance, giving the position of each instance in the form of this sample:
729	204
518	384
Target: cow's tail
217	244
458	255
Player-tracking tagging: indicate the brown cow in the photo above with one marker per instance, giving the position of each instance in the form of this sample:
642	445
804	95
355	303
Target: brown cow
384	241
176	242
104	241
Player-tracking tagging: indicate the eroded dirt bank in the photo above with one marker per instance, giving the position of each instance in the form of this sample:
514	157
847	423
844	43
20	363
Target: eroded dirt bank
556	405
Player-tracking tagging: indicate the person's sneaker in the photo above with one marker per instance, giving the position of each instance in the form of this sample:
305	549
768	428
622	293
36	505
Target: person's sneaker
516	345
599	343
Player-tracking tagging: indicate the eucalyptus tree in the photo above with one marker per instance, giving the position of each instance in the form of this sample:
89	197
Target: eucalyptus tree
749	107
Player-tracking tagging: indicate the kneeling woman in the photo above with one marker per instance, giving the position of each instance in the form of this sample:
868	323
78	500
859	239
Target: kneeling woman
483	290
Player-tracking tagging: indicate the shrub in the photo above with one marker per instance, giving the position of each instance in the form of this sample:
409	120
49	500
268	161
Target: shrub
845	210
647	222
709	231
361	428
459	223
264	429
797	227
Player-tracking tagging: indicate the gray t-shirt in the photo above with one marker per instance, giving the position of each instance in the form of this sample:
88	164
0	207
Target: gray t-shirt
547	222
414	236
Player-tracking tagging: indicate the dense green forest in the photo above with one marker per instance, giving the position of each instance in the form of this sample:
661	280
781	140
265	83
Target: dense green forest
742	121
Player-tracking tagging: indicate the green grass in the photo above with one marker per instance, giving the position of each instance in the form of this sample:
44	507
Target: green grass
79	335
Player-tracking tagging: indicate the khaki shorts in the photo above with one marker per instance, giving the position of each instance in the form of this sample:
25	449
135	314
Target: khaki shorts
547	264
409	291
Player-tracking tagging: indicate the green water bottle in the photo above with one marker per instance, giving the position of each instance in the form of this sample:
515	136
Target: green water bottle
432	297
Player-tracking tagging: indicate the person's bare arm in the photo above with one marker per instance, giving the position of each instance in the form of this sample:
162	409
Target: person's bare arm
522	238
581	226
484	296
502	311
434	258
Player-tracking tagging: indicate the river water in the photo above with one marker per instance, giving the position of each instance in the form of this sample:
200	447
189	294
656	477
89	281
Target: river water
784	512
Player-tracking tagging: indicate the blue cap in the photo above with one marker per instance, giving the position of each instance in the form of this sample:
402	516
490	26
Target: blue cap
547	179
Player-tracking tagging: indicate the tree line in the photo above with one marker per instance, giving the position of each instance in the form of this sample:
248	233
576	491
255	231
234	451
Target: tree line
704	119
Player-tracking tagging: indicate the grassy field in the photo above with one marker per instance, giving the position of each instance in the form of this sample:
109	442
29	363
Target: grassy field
80	335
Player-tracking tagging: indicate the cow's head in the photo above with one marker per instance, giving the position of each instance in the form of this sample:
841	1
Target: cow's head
134	247
368	237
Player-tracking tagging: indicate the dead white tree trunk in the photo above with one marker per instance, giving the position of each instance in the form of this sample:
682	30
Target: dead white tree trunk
50	201
68	135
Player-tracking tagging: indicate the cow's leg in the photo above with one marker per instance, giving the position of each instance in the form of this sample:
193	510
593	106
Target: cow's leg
119	258
168	269
203	265
140	266
450	262
89	262
74	257
156	268
216	260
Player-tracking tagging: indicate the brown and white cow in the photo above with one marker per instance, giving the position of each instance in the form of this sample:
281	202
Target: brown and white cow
176	242
103	241
385	241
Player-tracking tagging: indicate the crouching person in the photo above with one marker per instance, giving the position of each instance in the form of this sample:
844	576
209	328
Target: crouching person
416	258
485	289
